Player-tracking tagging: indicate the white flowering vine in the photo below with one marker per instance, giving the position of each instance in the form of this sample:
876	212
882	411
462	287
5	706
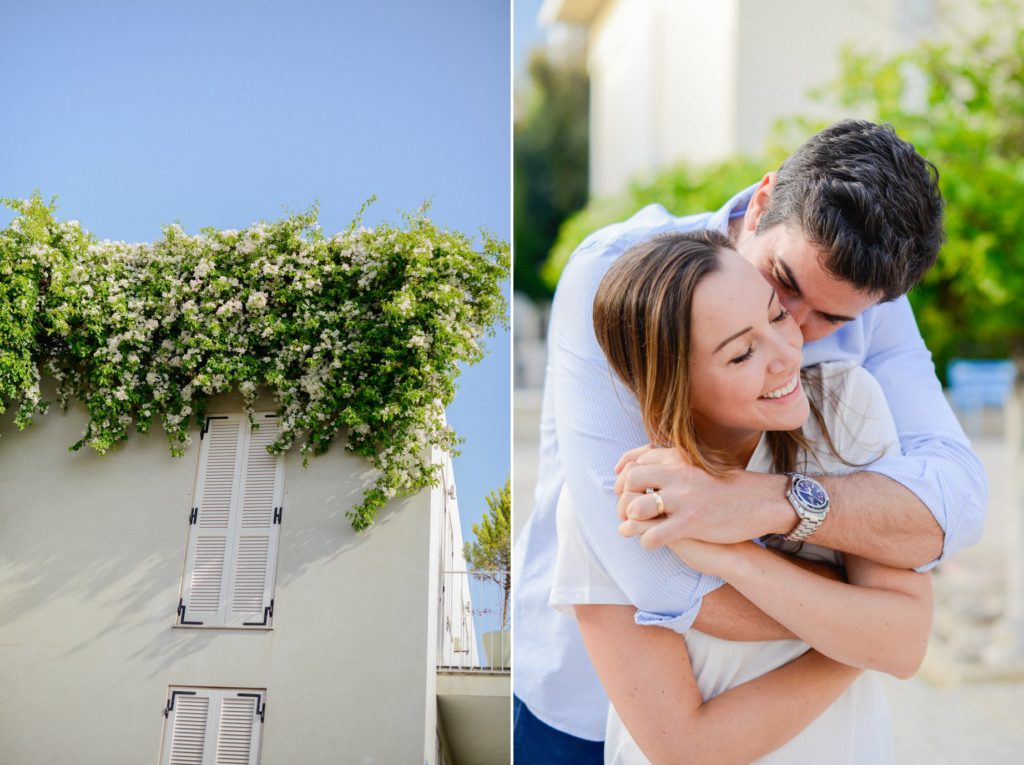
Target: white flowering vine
358	334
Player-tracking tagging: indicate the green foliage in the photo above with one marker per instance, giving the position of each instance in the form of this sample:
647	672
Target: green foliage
962	106
550	162
29	250
361	332
492	549
682	190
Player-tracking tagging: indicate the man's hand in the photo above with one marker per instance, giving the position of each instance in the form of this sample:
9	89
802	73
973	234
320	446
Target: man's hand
735	508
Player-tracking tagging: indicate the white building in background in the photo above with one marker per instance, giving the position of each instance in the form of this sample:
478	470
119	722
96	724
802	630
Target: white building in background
699	80
218	608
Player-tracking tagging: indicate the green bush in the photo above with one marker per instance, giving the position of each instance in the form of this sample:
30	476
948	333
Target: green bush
682	190
549	163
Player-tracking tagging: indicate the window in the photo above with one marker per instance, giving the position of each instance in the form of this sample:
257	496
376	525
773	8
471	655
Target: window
234	526
213	726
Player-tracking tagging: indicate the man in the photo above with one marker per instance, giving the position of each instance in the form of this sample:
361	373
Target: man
845	228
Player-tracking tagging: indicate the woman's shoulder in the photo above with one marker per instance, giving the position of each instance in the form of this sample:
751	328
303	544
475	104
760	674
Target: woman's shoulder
853	410
836	382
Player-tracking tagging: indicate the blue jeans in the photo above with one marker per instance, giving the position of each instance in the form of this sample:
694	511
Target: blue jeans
537	743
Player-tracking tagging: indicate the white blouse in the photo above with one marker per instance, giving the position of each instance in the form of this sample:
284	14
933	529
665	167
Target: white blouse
855	729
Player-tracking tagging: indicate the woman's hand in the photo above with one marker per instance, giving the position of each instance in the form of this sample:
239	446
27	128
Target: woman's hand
706	557
719	560
632	456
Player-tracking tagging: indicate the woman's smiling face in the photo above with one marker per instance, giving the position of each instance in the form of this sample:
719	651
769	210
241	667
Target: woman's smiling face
745	354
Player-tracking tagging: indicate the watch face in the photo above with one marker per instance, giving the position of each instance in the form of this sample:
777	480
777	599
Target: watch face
811	494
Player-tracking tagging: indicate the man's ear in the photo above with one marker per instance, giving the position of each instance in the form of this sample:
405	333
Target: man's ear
759	202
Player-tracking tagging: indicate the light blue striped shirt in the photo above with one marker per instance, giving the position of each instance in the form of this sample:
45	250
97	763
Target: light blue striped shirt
589	419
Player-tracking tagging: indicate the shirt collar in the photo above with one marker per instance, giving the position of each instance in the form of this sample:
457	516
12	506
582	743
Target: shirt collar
734	208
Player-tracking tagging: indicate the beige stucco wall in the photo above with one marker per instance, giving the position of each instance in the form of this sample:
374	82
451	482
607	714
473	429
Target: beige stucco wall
661	84
785	48
91	556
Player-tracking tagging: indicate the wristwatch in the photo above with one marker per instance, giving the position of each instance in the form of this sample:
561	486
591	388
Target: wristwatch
810	501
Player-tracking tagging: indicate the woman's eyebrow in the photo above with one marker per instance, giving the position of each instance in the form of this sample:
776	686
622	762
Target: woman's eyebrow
729	339
771	299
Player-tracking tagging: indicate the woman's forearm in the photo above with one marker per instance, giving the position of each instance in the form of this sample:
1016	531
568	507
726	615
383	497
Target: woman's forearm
725	613
778	706
879	621
647	674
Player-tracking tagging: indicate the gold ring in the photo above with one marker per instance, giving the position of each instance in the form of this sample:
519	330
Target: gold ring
657	499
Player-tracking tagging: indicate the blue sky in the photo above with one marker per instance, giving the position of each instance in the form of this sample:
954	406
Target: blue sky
220	114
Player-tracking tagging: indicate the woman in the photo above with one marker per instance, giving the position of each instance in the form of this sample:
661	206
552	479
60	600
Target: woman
700	338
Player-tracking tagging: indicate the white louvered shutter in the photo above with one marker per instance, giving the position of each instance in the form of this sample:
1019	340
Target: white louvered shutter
231	556
207	558
258	529
207	726
238	730
188	727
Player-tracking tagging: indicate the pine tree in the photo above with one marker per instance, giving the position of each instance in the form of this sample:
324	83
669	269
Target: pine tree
492	550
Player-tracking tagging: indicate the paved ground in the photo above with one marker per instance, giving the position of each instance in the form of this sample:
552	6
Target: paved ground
939	721
966	725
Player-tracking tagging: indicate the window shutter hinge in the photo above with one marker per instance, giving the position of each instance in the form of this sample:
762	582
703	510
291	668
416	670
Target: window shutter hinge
268	613
206	425
170	702
193	516
277	515
261	705
181	614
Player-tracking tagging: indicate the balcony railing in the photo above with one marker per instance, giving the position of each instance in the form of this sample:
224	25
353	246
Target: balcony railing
474	624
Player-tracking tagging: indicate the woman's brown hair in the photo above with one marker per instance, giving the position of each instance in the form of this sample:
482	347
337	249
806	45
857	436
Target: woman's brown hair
642	318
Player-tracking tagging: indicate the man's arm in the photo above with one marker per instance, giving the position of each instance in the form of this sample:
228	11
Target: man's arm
876	518
937	463
871	515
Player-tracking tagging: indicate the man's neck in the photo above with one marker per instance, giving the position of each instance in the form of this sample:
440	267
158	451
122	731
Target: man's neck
736	231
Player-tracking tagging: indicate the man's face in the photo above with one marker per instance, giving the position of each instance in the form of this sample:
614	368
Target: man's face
819	302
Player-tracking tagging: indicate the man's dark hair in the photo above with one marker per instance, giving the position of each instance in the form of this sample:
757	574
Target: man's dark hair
866	198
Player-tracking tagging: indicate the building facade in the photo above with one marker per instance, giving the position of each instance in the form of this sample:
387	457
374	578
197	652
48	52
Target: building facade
218	607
